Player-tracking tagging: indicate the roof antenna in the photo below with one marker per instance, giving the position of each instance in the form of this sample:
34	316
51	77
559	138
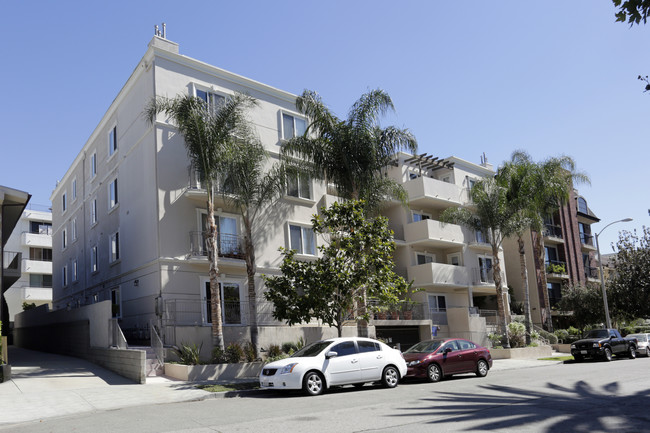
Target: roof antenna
160	34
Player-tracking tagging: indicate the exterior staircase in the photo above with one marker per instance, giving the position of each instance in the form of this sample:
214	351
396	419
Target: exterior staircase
153	367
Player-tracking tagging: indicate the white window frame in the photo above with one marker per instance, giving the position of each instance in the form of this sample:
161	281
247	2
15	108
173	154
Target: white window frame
206	314
93	212
208	92
93	165
297	179
294	116
489	271
112	141
451	256
114	248
113	194
75	270
94	265
430	256
73	229
302	227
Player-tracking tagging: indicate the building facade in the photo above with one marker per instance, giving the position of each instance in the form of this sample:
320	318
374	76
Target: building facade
128	220
569	259
32	237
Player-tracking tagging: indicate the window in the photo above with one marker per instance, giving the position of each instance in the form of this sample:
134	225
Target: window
367	346
292	126
423	258
453	259
73	229
345	348
64	239
64	276
582	205
420	216
438	309
550	254
74	189
116	301
114	246
93	259
112	194
230	302
112	141
64	202
299	186
466	345
93	212
213	100
75	270
471	182
485	269
480	237
40	280
93	165
40	254
41	228
451	346
302	240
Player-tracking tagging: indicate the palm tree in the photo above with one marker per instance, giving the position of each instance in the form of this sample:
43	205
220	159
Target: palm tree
491	214
208	132
250	189
350	153
552	184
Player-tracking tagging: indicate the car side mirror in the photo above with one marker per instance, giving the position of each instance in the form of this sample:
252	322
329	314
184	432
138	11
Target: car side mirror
447	350
331	354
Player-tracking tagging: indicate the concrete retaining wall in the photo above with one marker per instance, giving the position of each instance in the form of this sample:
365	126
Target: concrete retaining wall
82	333
522	353
240	370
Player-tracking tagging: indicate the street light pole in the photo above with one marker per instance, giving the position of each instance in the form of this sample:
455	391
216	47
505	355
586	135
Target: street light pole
600	265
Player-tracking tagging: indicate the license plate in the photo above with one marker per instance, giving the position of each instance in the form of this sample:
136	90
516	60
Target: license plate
584	352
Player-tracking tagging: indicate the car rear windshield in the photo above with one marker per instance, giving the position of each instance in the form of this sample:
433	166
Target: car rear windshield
597	333
639	337
312	350
424	347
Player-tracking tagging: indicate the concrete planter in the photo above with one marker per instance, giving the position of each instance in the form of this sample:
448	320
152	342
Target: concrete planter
241	370
562	348
6	372
522	353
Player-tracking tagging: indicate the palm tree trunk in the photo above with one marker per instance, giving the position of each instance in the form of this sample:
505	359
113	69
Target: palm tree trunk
524	279
215	293
496	272
250	272
541	281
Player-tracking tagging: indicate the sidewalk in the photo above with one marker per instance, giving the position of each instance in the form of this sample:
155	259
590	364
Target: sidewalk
45	385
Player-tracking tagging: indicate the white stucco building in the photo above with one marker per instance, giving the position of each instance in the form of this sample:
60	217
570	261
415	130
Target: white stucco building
128	219
32	237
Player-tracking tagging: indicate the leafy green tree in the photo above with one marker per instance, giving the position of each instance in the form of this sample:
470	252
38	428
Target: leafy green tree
628	287
586	303
350	153
251	188
490	213
208	133
632	11
356	260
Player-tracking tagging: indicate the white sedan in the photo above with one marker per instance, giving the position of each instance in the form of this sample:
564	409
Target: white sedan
335	362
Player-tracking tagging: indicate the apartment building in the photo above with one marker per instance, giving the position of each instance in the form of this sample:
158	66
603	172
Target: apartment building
128	221
32	237
12	204
569	259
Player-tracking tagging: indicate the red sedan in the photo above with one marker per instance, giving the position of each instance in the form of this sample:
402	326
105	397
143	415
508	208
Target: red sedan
435	359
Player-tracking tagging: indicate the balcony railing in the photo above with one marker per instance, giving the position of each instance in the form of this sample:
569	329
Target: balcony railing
228	245
404	310
591	272
553	231
587	239
195	312
556	267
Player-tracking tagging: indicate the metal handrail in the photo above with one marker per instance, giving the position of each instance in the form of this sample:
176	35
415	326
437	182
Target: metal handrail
156	343
116	336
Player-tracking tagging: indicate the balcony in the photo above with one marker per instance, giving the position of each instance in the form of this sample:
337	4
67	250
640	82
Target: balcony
426	190
591	273
229	245
37	240
31	266
556	268
587	241
481	242
553	234
433	233
439	274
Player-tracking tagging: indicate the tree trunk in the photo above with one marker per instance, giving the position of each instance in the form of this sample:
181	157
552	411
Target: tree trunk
251	269
524	279
215	293
542	283
496	273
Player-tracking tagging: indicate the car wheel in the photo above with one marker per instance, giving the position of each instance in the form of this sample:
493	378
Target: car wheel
647	352
434	373
390	377
578	358
631	353
608	354
482	368
313	383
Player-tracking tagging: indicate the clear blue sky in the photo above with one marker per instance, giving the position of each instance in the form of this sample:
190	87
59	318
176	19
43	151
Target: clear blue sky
551	77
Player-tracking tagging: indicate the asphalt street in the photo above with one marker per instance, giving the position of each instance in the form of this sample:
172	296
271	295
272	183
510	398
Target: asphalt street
594	397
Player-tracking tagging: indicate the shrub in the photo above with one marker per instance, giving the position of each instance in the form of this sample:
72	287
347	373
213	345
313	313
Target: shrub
27	306
496	340
189	354
562	335
250	354
234	353
274	351
517	333
300	343
289	348
218	356
550	337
